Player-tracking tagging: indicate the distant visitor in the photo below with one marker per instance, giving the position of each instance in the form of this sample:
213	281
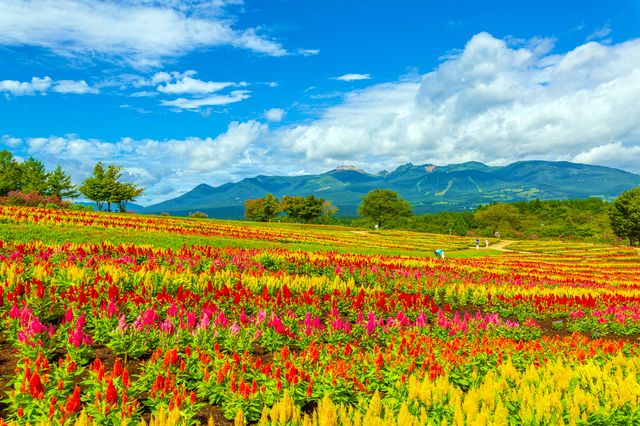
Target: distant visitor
439	253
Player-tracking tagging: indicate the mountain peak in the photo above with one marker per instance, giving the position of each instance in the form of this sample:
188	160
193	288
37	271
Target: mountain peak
350	169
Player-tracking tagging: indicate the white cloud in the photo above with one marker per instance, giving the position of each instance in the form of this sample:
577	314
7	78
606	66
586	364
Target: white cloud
165	168
274	114
143	33
492	103
308	52
37	85
213	100
194	86
353	77
600	33
72	86
43	85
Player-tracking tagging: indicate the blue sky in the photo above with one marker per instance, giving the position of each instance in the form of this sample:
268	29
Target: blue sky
184	92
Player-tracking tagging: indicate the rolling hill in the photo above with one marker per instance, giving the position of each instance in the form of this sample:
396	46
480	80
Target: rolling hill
427	187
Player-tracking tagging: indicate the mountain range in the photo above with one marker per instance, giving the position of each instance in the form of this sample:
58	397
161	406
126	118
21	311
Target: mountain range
429	188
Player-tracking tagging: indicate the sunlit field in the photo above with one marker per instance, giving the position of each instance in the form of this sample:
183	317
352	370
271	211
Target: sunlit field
122	319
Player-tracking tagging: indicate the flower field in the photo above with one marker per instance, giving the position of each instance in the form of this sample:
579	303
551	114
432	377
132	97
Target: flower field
116	334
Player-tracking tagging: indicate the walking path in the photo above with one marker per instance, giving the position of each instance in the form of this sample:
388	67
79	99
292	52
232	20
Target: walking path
502	245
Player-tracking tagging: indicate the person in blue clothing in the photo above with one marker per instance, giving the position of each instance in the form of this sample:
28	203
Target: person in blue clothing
439	253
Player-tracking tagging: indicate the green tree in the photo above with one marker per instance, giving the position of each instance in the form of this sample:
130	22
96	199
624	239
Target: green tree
59	184
384	206
498	217
33	176
10	173
625	216
302	209
262	209
93	187
328	210
124	193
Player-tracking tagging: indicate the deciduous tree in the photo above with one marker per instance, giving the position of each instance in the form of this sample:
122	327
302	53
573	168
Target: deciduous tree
496	217
262	209
625	216
384	206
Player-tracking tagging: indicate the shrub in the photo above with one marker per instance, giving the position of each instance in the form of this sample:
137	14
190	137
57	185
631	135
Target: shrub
198	215
33	199
80	207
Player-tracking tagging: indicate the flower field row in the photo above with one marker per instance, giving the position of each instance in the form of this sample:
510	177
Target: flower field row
119	332
329	236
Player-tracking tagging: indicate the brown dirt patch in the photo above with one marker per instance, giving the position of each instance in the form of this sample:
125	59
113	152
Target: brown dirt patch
214	412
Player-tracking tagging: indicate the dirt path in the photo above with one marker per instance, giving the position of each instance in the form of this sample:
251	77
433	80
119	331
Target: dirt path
502	245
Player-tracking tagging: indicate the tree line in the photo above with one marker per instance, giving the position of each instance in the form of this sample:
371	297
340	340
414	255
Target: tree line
296	208
104	187
591	219
31	176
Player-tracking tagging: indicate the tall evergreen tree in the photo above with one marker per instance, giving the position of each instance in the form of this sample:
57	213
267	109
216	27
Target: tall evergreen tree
59	184
33	177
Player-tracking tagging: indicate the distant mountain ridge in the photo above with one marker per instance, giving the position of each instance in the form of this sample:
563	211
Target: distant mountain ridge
429	188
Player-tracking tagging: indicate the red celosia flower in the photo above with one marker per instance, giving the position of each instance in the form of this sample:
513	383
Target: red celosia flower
111	396
73	402
125	378
35	386
117	368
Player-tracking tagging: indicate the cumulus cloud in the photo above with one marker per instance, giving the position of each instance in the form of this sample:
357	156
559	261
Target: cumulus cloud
274	114
353	77
37	85
491	102
40	86
143	33
165	168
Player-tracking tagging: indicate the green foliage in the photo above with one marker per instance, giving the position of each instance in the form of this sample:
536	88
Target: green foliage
498	217
104	186
328	210
198	215
33	177
263	209
10	173
384	206
453	223
302	209
59	184
92	187
625	215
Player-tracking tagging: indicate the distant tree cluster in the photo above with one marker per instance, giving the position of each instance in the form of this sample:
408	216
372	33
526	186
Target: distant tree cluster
28	182
30	176
591	218
297	208
104	187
